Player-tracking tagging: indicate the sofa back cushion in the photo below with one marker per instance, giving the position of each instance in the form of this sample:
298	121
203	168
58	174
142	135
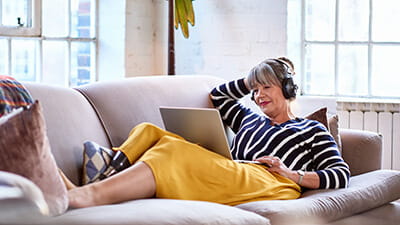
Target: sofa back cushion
70	121
123	104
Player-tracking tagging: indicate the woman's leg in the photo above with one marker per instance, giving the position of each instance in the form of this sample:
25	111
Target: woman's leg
136	182
68	183
140	139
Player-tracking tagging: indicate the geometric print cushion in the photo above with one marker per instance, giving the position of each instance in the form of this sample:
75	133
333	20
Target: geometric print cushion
96	162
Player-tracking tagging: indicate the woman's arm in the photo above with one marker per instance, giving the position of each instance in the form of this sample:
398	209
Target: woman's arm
328	168
225	98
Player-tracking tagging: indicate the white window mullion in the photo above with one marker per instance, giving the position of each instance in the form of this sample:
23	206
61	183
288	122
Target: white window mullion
1	10
9	65
68	72
95	67
336	72
68	68
39	70
30	16
36	17
370	49
303	48
93	63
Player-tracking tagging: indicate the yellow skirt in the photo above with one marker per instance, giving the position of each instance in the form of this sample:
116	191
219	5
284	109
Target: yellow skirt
184	170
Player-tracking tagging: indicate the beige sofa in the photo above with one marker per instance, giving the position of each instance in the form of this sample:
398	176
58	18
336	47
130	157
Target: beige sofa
105	112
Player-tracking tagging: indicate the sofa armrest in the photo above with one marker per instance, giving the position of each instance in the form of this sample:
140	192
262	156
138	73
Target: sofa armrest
20	198
362	150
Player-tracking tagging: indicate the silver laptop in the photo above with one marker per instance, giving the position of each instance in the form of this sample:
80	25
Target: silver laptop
202	126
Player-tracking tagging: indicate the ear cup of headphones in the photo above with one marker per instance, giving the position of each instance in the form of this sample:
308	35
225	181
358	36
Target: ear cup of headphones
289	88
252	96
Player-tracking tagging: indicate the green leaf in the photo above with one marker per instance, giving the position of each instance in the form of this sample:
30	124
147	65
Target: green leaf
184	14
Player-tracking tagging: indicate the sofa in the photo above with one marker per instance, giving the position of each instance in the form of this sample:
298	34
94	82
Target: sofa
105	112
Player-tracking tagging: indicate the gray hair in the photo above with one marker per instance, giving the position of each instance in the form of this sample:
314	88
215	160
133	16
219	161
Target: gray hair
268	72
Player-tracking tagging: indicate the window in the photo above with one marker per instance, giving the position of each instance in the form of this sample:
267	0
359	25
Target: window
346	48
20	17
65	51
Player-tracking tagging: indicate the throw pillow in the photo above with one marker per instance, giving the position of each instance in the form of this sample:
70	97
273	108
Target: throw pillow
334	129
320	116
96	162
25	150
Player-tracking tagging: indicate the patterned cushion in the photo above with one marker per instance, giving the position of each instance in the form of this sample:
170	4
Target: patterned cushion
96	162
12	95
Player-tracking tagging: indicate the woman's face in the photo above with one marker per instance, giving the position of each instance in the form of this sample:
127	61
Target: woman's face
270	99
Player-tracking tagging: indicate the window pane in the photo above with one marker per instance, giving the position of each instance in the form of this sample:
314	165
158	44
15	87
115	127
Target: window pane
353	20
23	62
353	70
55	62
319	77
385	20
12	10
385	78
320	20
3	56
81	18
55	18
81	63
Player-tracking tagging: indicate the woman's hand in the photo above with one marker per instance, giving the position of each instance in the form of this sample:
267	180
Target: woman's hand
310	179
276	165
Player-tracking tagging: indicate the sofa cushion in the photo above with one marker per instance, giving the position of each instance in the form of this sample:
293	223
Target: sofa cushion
159	211
362	150
365	192
388	214
25	150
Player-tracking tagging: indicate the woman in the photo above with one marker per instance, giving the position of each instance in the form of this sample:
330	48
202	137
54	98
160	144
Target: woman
298	152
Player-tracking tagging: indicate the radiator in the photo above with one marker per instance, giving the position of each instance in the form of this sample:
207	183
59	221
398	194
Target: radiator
383	118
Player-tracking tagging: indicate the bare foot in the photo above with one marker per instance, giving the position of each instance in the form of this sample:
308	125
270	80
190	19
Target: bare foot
81	197
68	184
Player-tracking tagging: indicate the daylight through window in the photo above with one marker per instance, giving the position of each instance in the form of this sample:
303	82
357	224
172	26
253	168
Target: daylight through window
346	48
64	52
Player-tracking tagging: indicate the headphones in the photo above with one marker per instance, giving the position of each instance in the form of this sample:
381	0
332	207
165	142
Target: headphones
289	88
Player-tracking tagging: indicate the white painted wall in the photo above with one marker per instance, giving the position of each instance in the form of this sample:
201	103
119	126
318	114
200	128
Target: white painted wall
228	39
111	43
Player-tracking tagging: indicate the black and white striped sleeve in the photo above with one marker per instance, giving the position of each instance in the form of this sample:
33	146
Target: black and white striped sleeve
225	98
332	170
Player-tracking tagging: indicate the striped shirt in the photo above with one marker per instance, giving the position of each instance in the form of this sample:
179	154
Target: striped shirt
300	143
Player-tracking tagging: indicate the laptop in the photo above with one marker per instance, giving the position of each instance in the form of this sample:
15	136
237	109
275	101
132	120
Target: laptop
202	126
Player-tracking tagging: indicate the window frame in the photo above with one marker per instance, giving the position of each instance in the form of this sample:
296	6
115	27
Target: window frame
68	39
35	28
300	57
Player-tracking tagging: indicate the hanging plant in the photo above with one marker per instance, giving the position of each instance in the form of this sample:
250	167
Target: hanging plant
183	15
